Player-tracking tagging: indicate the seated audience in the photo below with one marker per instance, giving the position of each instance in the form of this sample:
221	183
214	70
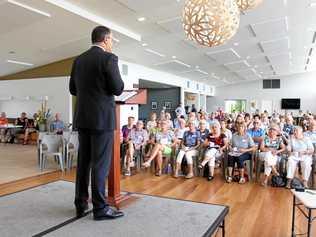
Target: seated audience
179	132
32	127
216	142
126	129
137	139
3	131
311	132
203	131
165	140
189	148
301	149
212	120
152	123
192	118
180	111
168	119
247	120
256	133
22	121
270	148
226	131
288	127
57	125
242	148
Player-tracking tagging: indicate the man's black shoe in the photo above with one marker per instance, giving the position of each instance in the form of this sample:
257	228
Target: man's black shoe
108	214
80	211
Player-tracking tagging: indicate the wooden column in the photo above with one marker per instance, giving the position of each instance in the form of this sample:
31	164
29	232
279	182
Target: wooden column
114	185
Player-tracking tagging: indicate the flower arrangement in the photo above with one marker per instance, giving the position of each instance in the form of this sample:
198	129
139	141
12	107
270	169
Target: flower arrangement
43	114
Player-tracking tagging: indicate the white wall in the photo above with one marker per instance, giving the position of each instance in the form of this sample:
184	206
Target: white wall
301	86
59	99
55	88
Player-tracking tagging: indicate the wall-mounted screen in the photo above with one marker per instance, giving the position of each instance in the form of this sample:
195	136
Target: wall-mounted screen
291	103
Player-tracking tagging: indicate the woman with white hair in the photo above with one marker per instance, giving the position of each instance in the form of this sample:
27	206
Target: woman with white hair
270	148
301	149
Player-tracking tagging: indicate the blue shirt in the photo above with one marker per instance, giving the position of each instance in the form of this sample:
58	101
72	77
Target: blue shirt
191	139
288	128
57	125
256	133
203	135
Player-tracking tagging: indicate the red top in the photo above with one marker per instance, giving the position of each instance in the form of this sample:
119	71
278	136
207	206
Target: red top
3	121
219	141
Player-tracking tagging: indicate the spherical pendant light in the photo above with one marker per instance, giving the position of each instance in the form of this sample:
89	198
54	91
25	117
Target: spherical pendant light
245	5
210	22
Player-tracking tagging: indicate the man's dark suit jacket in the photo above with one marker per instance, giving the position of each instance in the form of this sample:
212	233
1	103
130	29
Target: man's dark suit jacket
95	79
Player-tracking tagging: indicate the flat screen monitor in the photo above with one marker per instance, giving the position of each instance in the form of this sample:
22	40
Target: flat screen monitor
291	103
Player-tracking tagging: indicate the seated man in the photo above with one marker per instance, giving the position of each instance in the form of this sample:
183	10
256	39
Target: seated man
256	133
165	140
137	138
3	131
190	144
57	126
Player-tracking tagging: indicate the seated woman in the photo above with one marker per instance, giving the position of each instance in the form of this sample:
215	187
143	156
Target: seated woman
137	138
216	142
3	131
189	148
165	140
152	123
179	132
226	131
31	128
271	146
243	146
301	149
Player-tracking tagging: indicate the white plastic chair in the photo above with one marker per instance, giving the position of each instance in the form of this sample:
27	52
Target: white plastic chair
71	151
51	146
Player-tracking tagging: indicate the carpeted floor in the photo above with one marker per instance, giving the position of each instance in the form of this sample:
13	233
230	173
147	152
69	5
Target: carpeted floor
35	210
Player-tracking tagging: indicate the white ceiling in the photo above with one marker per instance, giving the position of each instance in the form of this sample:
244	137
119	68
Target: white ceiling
273	40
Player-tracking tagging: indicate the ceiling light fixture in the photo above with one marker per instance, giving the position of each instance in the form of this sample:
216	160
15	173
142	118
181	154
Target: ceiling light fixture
29	8
20	63
70	7
210	22
174	57
155	52
144	44
245	5
140	19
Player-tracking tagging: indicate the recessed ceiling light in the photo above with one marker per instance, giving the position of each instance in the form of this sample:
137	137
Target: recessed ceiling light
29	8
248	57
19	62
197	67
144	44
141	19
255	66
236	44
313	4
174	57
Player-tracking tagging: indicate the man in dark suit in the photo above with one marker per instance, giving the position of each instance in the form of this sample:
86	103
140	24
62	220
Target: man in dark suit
95	79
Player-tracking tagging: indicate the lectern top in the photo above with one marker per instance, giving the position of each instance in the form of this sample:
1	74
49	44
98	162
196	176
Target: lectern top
126	95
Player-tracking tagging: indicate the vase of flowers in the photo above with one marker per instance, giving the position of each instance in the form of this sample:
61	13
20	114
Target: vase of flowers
43	116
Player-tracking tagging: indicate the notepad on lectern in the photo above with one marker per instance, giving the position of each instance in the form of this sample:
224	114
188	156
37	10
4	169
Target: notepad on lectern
125	95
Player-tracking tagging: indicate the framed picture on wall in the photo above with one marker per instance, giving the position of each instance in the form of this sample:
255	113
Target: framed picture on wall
168	104
154	105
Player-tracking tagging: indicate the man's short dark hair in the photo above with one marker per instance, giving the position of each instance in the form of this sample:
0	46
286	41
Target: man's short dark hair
256	115
98	34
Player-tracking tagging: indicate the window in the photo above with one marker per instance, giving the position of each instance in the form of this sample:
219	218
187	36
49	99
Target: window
188	84
271	84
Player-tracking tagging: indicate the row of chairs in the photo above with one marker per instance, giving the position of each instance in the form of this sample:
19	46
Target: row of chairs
63	148
253	166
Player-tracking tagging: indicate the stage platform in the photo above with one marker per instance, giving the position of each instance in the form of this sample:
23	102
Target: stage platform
48	210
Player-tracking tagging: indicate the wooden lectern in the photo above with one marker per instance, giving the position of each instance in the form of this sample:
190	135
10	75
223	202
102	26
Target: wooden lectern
114	187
